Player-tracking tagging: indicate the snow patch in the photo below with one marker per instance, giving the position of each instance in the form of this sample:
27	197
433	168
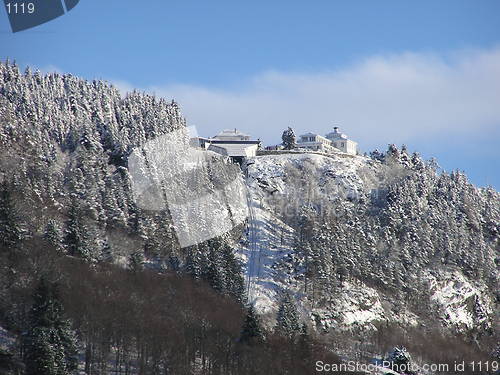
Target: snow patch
460	302
357	305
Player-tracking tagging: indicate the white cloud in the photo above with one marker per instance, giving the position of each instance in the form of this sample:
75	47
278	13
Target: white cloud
50	69
384	99
122	86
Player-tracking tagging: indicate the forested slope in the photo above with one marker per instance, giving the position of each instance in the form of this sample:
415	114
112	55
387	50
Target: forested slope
74	240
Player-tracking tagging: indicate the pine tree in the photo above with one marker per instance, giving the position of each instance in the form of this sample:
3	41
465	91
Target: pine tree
53	234
193	265
252	328
51	346
214	273
405	157
114	214
235	284
174	263
287	321
106	254
377	155
304	343
393	154
11	232
289	139
77	237
136	261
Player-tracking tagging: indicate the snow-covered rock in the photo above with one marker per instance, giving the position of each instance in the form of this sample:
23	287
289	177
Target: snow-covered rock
461	303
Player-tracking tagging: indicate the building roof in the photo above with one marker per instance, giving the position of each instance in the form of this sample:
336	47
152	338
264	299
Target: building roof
336	134
227	133
228	141
233	149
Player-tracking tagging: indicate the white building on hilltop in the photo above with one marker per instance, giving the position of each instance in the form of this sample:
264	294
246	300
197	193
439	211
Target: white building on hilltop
340	141
315	142
332	142
231	135
231	143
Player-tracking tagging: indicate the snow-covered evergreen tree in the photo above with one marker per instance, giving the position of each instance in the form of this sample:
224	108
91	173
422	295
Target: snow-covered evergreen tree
77	238
289	139
11	231
106	253
235	285
287	319
51	347
193	265
53	234
252	331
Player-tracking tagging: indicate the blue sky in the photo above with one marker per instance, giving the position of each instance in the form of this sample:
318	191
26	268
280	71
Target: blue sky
424	73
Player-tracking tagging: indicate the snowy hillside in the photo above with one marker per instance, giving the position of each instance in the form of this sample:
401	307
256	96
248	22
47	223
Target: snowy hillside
270	240
282	188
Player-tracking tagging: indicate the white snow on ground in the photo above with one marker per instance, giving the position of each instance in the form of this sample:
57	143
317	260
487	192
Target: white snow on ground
460	302
357	306
360	305
268	240
341	167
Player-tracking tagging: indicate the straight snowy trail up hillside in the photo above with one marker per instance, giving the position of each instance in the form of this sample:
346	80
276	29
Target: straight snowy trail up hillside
267	240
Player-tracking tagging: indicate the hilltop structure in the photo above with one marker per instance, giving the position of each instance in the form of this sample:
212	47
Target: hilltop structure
332	142
232	143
